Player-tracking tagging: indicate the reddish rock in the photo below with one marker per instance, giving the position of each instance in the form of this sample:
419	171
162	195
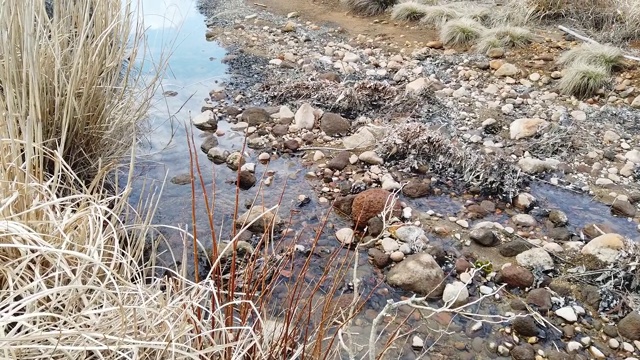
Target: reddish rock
416	189
369	204
516	276
540	298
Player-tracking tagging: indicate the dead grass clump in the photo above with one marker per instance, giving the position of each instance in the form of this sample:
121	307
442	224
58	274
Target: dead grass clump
68	84
368	7
583	79
461	32
512	36
606	56
437	15
408	11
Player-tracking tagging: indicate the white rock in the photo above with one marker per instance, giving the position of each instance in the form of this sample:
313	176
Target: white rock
417	85
627	347
596	353
485	290
406	213
318	155
371	158
613	343
205	120
526	127
285	113
636	102
568	314
264	156
579	115
524	220
417	342
345	236
533	165
455	293
633	156
361	139
553	248
304	117
463	223
535	258
573	346
350	57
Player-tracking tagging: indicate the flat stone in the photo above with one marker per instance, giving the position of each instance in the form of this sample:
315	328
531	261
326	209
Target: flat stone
567	313
526	127
535	258
345	236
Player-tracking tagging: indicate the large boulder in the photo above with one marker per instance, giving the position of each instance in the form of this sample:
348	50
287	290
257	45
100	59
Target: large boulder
419	273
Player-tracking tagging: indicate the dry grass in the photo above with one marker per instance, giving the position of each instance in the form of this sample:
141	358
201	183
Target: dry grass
609	57
583	79
607	20
408	11
461	32
437	15
368	7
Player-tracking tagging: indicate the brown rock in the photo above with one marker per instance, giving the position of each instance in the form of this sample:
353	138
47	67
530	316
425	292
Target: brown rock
516	276
329	76
513	248
379	258
629	327
540	298
462	265
280	130
523	352
181	179
525	326
557	355
333	124
255	116
369	204
434	44
416	189
340	161
292	145
375	225
495	53
232	110
343	204
495	64
623	208
489	206
419	273
246	180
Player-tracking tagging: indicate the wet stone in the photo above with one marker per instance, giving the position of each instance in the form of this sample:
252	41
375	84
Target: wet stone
484	237
525	326
523	352
540	298
181	179
558	218
209	143
291	144
516	276
340	161
246	180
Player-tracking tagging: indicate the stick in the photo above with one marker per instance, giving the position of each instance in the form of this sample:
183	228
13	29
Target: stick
591	41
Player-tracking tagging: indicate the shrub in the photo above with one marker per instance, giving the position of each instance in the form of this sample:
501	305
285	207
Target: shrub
368	7
408	11
488	42
461	32
512	36
583	79
609	57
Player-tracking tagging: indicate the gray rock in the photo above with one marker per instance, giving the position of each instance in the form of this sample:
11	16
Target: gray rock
524	220
416	189
333	124
304	117
623	207
419	273
206	121
361	139
629	326
484	237
218	155
558	218
340	161
235	160
208	143
260	219
513	248
455	293
523	352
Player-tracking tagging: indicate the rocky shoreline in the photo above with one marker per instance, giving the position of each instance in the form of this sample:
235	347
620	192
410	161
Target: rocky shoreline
377	129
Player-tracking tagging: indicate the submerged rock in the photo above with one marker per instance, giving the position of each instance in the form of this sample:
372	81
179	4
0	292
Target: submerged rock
419	273
264	220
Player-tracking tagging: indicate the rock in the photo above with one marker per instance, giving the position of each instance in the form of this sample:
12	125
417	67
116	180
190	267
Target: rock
515	276
557	355
605	247
304	117
345	236
535	258
246	180
524	201
291	145
434	44
633	156
513	248
525	326
629	326
209	143
397	256
333	124
330	76
417	85
371	158
340	161
369	204
389	245
558	218
375	226
181	179
350	57
343	204
596	353
524	220
636	102
285	115
409	234
523	352
573	346
379	258
206	121
623	207
526	127
260	218
290	26
235	160
533	166
417	342
507	69
218	155
567	313
455	293
416	189
363	138
419	273
484	237
560	234
255	116
495	53
540	298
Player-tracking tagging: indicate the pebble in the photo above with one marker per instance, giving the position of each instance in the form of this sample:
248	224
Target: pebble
417	342
264	156
573	346
567	313
389	245
463	223
345	236
596	353
614	344
397	256
485	290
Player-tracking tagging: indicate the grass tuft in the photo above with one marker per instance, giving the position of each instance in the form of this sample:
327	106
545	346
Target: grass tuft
609	57
583	79
408	11
437	15
512	36
368	7
461	32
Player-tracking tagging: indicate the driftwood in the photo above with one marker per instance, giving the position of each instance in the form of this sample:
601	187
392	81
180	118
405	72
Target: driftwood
586	39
